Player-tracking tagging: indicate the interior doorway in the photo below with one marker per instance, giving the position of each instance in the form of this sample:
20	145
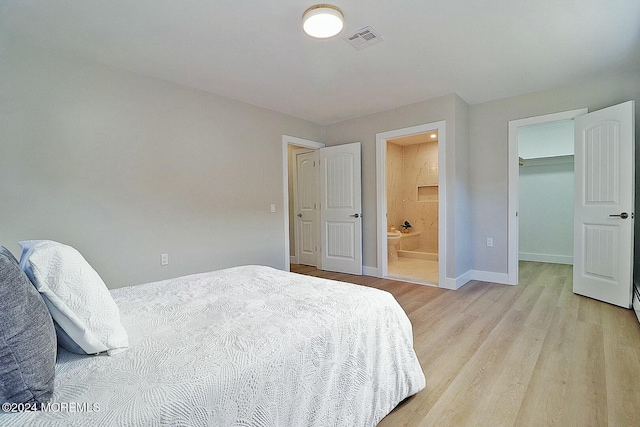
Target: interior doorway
338	246
604	168
412	207
549	156
411	204
546	187
289	146
305	206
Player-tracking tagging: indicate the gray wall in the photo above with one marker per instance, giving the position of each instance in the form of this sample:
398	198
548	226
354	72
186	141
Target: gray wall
489	148
125	167
545	211
477	149
463	207
364	129
545	206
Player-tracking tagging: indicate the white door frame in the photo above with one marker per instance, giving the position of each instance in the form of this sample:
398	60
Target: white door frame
514	189
381	179
298	142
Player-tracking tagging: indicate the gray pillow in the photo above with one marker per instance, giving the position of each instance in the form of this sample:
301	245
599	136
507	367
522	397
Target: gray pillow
27	338
6	252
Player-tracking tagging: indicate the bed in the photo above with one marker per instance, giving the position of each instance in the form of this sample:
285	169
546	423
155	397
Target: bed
245	346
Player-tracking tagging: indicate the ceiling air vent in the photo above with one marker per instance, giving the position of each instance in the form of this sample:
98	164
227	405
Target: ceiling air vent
364	38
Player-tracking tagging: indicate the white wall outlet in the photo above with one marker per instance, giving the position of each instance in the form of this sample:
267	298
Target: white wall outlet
273	207
164	259
489	241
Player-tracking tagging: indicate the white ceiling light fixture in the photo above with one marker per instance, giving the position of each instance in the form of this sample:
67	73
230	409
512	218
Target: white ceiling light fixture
322	21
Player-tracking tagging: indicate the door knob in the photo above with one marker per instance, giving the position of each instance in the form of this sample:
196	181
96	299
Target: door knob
355	216
300	215
623	215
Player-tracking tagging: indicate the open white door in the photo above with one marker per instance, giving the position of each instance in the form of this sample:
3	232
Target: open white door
603	206
341	208
307	207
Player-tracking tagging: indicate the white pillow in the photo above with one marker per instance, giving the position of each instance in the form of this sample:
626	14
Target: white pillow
76	296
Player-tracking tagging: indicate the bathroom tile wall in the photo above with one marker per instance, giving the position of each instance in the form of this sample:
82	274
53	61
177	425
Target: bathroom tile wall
394	186
419	168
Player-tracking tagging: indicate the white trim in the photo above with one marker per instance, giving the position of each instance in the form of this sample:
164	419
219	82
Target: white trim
369	271
512	218
458	282
489	276
381	191
481	276
299	142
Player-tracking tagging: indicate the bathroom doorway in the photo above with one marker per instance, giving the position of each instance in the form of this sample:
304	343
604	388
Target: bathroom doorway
412	204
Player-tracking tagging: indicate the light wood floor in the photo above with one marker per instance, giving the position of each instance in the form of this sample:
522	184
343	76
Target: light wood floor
528	355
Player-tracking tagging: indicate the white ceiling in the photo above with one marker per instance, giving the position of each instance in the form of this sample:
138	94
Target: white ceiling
255	51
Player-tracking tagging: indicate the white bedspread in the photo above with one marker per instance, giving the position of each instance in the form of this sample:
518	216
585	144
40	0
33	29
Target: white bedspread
246	346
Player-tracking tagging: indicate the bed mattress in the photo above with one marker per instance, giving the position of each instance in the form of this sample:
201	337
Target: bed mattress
245	346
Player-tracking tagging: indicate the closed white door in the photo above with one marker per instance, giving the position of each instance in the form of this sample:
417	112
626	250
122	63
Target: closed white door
307	207
340	208
604	201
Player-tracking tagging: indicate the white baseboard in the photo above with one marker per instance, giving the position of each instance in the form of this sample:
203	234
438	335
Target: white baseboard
490	276
293	259
482	276
369	271
458	282
554	259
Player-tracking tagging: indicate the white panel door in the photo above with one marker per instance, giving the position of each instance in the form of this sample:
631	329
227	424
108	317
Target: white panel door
307	208
604	201
340	208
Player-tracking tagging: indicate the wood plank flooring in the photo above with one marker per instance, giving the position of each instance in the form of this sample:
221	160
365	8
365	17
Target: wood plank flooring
534	354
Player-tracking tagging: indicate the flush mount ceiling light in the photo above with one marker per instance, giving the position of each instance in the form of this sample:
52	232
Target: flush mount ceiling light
322	21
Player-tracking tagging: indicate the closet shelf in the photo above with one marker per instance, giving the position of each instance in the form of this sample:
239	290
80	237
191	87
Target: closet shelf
546	160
